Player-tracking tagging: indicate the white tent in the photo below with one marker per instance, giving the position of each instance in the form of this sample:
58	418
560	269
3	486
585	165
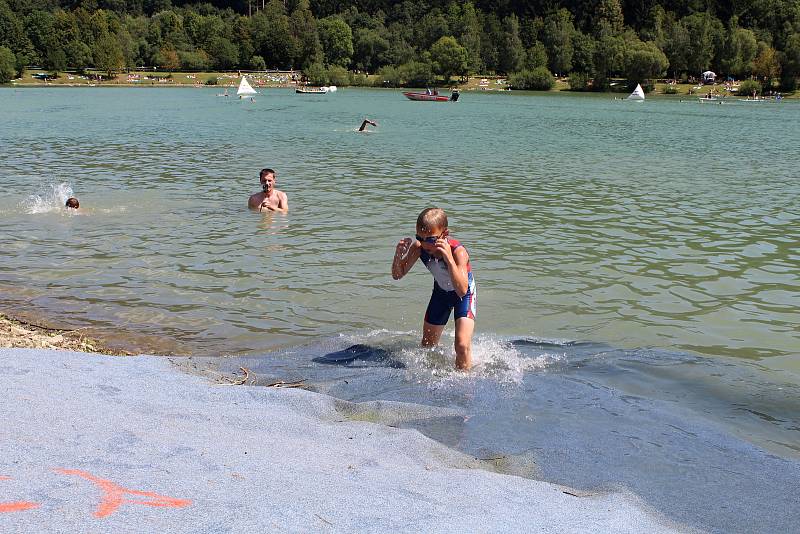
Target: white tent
709	77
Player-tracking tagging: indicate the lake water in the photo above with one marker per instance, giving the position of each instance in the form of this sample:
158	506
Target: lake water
637	265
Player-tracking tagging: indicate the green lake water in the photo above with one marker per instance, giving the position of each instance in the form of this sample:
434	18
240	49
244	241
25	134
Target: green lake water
657	224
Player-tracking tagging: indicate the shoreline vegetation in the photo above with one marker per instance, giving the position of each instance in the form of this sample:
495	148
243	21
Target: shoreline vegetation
290	80
415	44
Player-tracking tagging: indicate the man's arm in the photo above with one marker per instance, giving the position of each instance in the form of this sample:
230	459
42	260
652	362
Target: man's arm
254	202
283	203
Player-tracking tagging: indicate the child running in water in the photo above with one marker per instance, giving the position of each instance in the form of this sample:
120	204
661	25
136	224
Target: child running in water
453	284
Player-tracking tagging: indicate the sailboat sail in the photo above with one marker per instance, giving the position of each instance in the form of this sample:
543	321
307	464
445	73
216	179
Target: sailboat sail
637	94
245	88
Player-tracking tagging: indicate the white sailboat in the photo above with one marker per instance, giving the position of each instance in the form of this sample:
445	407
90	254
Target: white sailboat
637	94
245	89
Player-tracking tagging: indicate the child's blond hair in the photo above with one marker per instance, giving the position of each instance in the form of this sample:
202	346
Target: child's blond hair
431	218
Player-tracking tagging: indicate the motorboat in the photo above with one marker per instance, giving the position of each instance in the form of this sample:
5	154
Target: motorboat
432	95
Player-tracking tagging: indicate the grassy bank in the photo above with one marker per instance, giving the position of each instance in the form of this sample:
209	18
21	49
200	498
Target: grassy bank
488	83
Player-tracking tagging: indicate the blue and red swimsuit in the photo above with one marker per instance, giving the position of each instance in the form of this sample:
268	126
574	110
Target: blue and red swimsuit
444	298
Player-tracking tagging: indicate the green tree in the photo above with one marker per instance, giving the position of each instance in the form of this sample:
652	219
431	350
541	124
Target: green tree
196	60
8	65
676	45
449	57
766	65
316	74
492	34
369	47
740	50
416	73
583	47
557	35
272	36
338	76
749	87
55	59
108	55
538	79
510	49
430	28
791	63
223	54
706	39
644	61
167	58
535	56
608	17
469	35
304	28
337	40
39	29
12	31
609	59
258	63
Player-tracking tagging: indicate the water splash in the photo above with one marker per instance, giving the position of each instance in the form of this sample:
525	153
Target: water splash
48	201
494	358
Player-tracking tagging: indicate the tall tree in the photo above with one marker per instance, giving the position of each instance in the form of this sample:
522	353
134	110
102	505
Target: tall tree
511	51
449	58
557	35
337	40
108	55
644	61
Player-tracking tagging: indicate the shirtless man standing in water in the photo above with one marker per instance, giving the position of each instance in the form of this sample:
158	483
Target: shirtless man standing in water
269	199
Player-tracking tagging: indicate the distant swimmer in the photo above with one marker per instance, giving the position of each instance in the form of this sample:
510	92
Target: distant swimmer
364	124
72	203
453	285
269	199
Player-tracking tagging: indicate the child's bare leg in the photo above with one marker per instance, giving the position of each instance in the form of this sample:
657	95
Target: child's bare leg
431	334
463	345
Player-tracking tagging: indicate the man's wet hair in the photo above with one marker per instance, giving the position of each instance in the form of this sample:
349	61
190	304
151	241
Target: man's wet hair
265	172
431	218
72	202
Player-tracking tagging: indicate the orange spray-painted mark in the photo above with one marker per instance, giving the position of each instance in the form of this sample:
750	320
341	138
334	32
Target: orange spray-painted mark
113	495
18	506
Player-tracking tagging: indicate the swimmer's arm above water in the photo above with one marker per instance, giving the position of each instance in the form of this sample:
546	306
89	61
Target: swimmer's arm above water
406	254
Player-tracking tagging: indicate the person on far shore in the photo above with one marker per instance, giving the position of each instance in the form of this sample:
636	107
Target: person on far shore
453	283
364	125
269	199
72	203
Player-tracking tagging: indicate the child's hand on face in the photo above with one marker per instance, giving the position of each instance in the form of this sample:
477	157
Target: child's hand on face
443	248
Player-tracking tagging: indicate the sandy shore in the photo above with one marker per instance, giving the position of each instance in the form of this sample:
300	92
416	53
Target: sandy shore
101	444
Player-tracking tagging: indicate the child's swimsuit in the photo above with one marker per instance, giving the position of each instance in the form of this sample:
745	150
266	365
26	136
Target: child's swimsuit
444	298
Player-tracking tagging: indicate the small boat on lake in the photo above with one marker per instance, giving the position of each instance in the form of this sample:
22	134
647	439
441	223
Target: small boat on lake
432	95
311	90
